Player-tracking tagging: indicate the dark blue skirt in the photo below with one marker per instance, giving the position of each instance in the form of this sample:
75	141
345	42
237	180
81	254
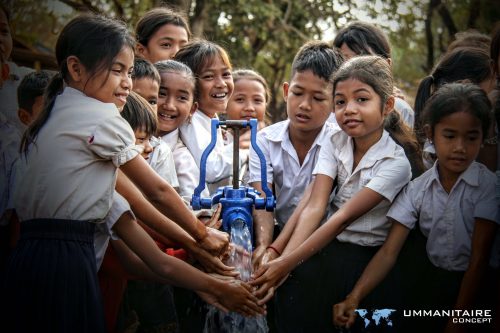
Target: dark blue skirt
50	282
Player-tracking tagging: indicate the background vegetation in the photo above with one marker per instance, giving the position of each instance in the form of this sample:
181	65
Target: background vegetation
265	34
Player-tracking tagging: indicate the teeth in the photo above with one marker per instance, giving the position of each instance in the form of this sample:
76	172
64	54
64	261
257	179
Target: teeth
167	116
221	95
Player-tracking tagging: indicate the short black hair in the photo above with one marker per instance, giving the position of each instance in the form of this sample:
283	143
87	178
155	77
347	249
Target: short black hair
32	86
364	38
318	57
143	69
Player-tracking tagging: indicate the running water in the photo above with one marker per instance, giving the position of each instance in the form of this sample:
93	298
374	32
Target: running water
241	258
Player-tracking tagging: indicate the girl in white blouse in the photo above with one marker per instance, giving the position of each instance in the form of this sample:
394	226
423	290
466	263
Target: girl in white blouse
370	169
72	152
454	206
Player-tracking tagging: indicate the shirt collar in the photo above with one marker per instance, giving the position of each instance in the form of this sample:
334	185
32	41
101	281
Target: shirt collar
171	138
469	176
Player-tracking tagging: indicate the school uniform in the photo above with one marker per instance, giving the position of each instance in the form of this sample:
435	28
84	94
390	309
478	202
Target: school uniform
161	160
384	169
293	299
188	172
405	111
196	135
9	153
284	170
65	188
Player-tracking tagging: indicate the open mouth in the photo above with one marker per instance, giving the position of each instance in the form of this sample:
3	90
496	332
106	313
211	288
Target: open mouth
219	95
166	117
302	116
122	97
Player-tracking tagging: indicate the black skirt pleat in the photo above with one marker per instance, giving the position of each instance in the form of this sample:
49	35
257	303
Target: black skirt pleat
50	282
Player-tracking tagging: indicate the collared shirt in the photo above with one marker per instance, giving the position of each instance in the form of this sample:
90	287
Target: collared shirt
70	170
447	220
283	167
384	169
8	95
405	110
9	153
161	160
188	173
196	135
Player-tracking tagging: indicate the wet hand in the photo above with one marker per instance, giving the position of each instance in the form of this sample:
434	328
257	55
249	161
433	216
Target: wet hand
237	297
270	275
344	313
262	256
213	264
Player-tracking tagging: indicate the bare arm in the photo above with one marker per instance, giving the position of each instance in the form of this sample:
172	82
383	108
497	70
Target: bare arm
270	274
166	199
263	226
375	272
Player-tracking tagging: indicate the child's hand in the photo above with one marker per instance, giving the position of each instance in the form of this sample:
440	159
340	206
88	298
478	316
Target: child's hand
270	275
215	242
344	312
262	256
236	296
213	264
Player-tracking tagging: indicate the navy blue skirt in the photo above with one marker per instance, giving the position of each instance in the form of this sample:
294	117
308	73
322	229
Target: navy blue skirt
50	282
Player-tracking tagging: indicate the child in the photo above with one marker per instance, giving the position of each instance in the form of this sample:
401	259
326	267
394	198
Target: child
466	63
11	74
160	33
291	149
214	86
249	100
30	96
453	204
72	152
362	38
175	106
146	81
370	169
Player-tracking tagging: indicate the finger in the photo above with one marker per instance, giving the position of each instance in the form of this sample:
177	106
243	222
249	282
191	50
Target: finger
216	224
254	309
269	295
216	215
258	274
220	307
263	290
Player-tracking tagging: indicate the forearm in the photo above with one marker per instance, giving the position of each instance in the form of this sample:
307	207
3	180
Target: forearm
308	222
263	227
171	205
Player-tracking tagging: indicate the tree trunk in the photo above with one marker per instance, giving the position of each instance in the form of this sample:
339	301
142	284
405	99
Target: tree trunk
199	18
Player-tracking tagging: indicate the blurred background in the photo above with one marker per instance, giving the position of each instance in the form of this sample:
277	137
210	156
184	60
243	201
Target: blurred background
265	34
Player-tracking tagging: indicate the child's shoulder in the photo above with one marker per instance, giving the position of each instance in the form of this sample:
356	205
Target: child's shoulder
75	100
275	132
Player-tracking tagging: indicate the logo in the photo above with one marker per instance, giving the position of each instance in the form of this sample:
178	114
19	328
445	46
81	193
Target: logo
376	317
458	316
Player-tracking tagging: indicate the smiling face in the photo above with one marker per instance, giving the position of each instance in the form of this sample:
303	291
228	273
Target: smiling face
164	43
175	101
308	100
215	84
248	100
457	139
109	86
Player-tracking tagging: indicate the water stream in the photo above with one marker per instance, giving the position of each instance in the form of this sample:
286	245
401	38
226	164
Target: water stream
240	257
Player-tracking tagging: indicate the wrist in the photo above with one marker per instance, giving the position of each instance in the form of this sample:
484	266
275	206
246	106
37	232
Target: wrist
200	231
273	249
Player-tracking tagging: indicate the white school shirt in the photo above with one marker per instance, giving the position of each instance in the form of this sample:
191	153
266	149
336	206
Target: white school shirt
188	173
9	153
447	220
161	160
196	135
104	231
405	110
8	95
283	168
70	170
384	169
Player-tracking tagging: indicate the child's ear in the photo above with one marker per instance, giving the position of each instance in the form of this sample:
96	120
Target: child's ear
389	105
286	85
24	116
194	107
428	132
140	50
75	68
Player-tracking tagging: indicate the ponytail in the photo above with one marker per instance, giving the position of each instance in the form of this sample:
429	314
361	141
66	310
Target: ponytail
423	94
405	137
53	89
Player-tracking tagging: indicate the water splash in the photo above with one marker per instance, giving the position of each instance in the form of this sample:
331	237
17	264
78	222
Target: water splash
241	258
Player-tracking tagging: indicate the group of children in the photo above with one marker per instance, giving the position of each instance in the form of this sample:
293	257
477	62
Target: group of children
347	170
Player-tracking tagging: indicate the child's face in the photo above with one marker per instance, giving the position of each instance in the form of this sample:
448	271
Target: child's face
164	43
148	89
248	100
142	139
309	101
5	37
359	110
347	52
175	101
216	86
457	139
112	87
